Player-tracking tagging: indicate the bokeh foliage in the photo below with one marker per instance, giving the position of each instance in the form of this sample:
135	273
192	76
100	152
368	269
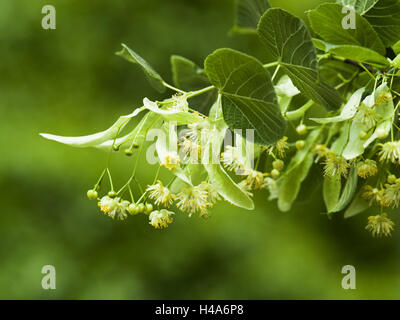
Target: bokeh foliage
69	81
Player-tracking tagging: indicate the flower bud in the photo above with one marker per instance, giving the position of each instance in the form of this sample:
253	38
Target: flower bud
363	135
92	194
391	179
128	152
149	208
141	207
278	165
301	130
382	134
112	194
133	209
275	174
300	144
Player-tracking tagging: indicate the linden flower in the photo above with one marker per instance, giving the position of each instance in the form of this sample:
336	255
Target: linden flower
170	161
380	225
255	180
372	194
190	149
391	195
367	115
367	168
161	219
232	159
321	151
179	103
245	187
281	147
192	199
160	194
212	194
390	151
336	165
114	207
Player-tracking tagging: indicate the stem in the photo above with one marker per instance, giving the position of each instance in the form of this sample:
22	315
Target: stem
296	114
270	65
109	177
173	88
275	73
199	92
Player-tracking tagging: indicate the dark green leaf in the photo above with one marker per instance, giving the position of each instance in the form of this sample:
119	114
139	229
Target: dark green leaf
248	96
361	6
326	21
331	191
385	19
248	14
357	206
288	40
152	76
348	192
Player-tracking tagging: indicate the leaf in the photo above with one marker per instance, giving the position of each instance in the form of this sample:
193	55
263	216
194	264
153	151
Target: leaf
326	21
248	13
189	77
227	188
288	40
331	191
180	117
291	184
361	6
247	94
385	19
356	53
152	76
348	192
94	140
396	47
357	206
137	135
348	111
340	143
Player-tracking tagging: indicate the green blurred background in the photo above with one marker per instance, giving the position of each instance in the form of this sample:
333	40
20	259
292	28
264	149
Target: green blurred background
68	81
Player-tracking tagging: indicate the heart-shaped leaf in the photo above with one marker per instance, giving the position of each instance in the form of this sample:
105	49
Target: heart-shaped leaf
248	13
326	21
247	93
288	40
361	6
152	76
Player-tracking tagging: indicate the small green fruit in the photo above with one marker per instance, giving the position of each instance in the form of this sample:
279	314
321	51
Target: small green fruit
363	135
278	165
300	144
149	208
275	174
133	209
112	194
128	152
301	130
116	148
392	178
141	207
92	194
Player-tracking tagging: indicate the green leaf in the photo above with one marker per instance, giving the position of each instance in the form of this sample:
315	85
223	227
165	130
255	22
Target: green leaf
227	188
290	186
385	19
326	21
95	140
189	77
248	13
286	37
361	6
348	111
331	191
348	192
247	94
357	53
396	47
180	117
152	76
357	206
